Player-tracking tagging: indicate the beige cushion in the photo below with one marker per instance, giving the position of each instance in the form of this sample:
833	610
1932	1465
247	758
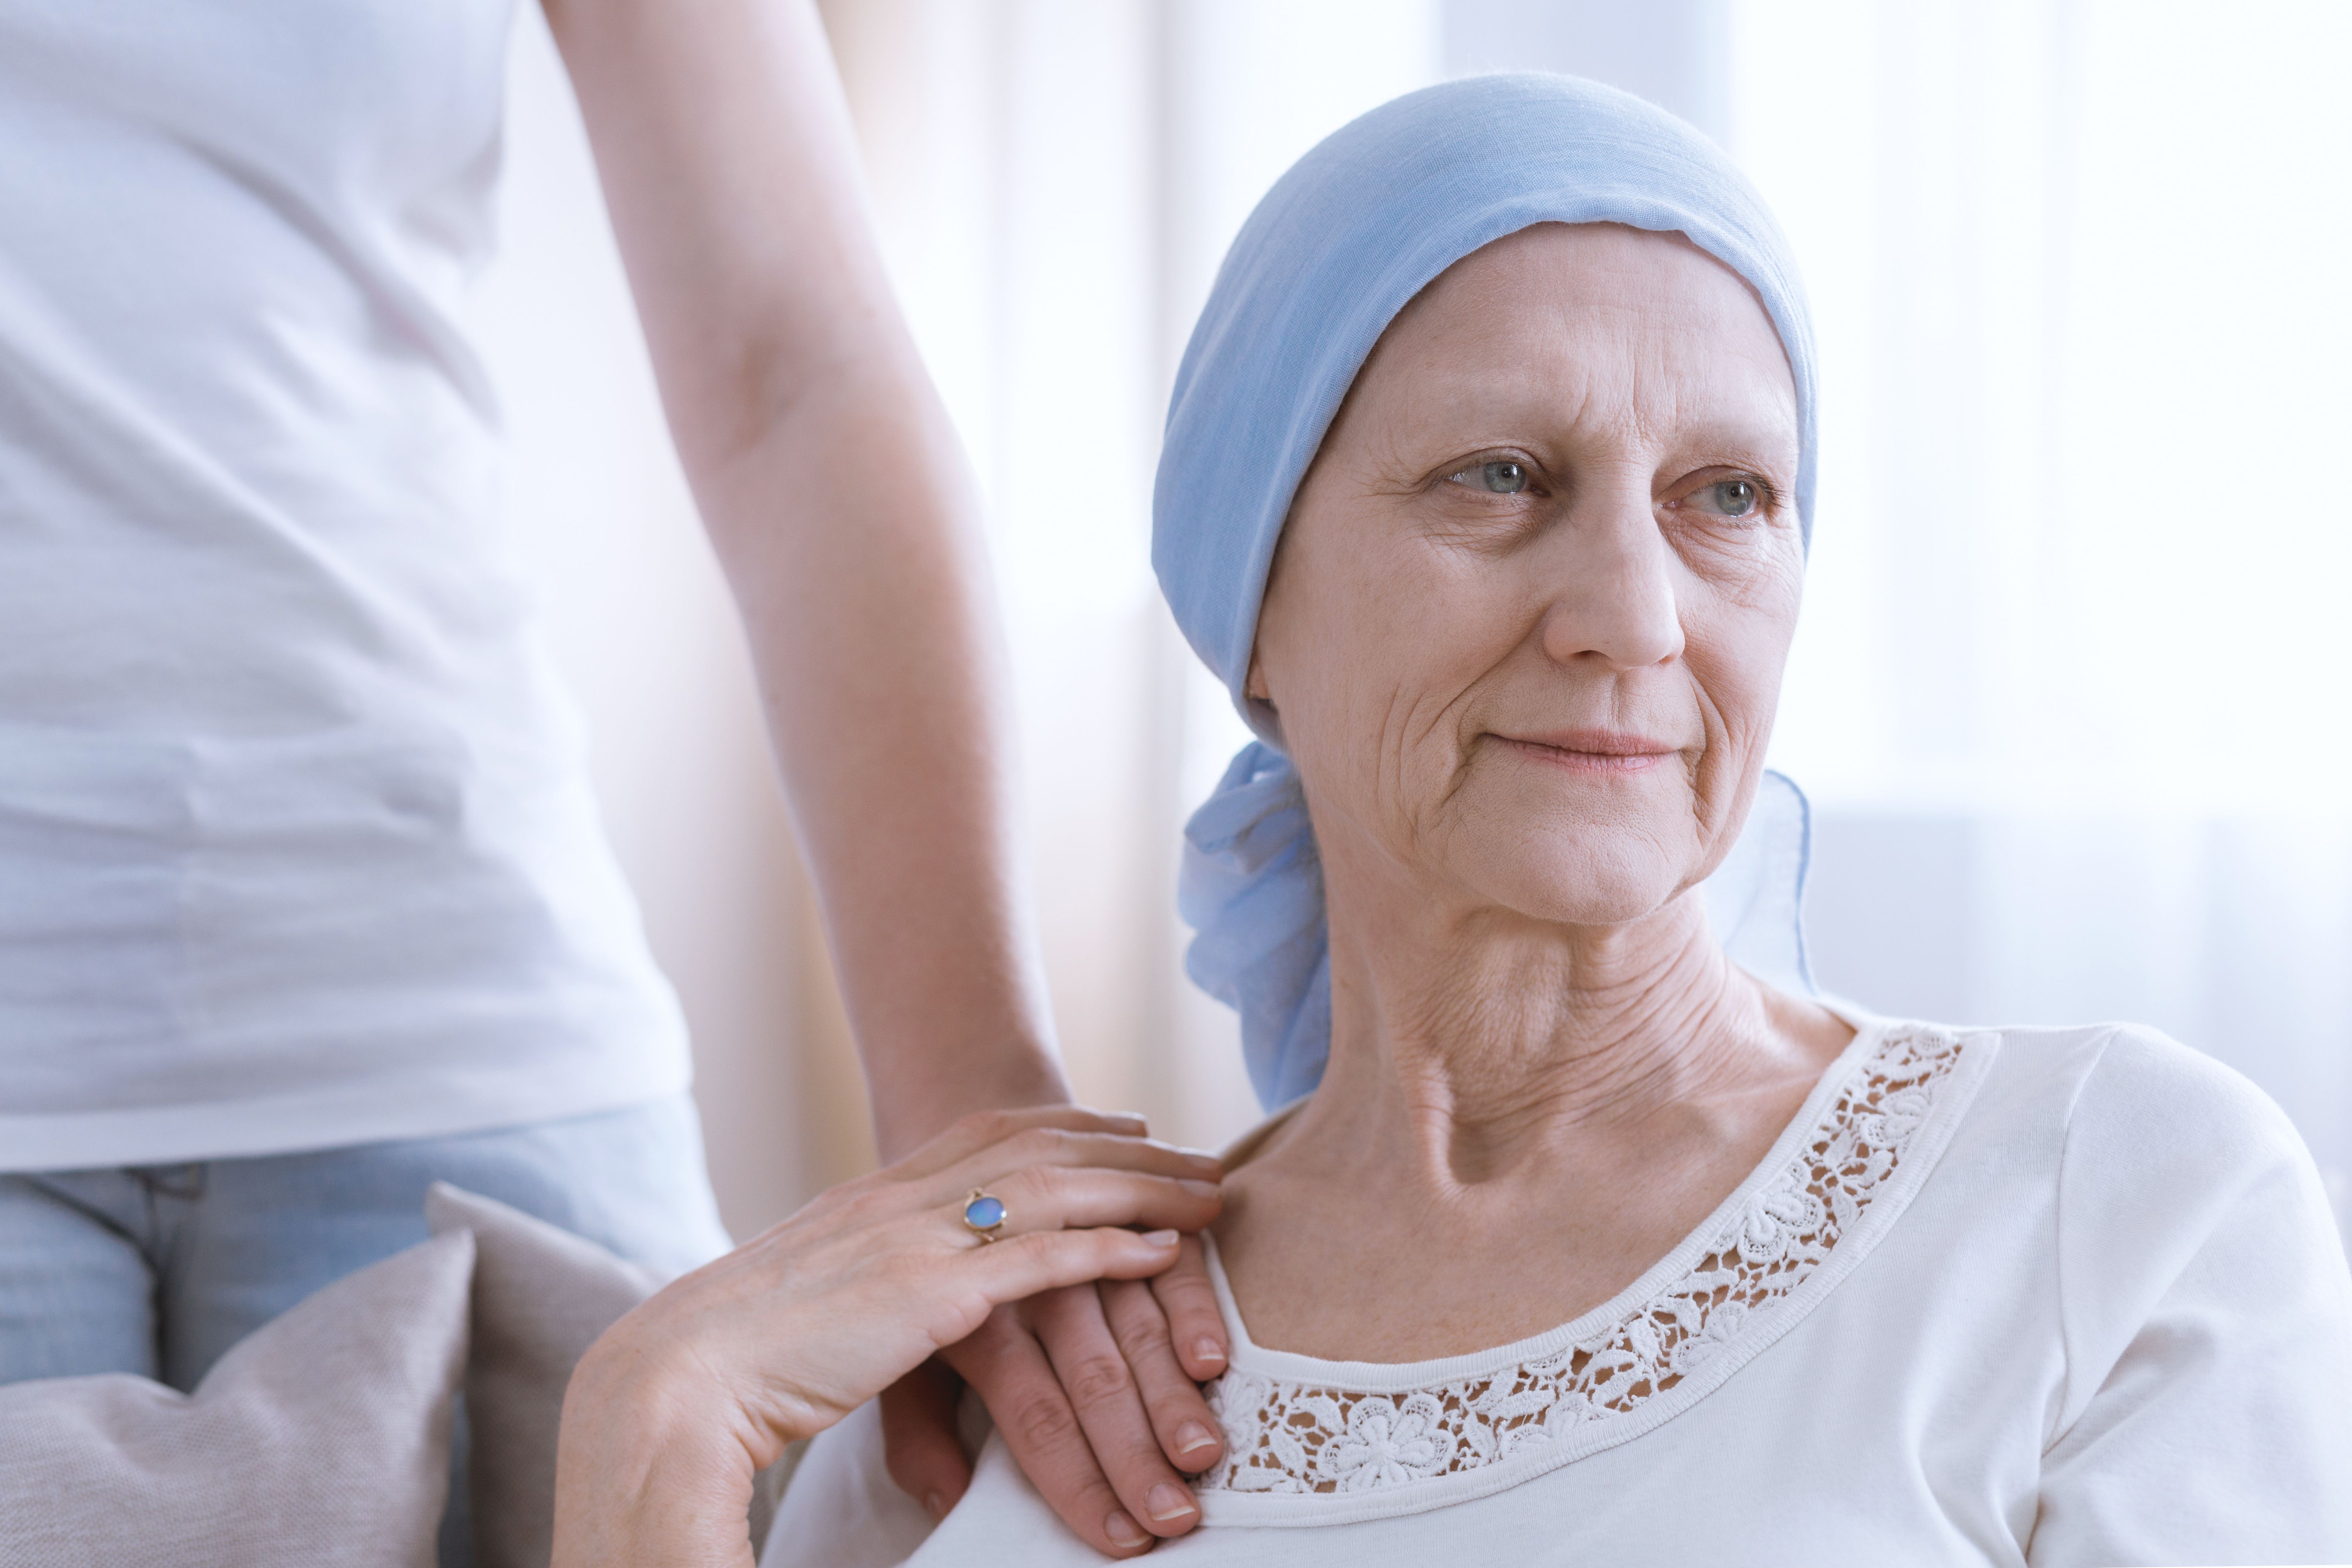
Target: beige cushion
321	1438
542	1296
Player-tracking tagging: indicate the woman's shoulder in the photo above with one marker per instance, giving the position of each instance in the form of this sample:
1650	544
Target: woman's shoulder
2200	1275
2119	1143
2144	1152
2163	1142
2167	1193
2130	1102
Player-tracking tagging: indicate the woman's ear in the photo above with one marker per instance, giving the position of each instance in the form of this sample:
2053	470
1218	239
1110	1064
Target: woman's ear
1259	698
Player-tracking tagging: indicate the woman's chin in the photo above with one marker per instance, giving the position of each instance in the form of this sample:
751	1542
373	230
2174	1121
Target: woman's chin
1577	862
1567	885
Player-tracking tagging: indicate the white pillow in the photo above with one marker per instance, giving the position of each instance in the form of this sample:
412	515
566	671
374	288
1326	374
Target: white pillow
542	1297
320	1440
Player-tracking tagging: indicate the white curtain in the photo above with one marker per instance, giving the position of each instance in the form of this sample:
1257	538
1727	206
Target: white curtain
2073	692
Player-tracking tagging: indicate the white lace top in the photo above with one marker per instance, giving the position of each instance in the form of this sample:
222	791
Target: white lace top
1309	1442
2027	1297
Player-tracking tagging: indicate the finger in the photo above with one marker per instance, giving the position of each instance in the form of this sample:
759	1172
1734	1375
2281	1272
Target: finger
1007	1365
982	1128
1045	1260
920	1446
1180	1416
1065	1197
1103	1391
1059	1146
1195	1325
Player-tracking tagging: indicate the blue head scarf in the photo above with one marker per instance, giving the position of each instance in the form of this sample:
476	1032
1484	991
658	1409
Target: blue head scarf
1342	242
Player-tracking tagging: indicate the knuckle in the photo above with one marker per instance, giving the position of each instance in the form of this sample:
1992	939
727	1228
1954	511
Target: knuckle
1127	1297
1039	1145
1184	1293
1035	1184
1040	1251
1098	1379
1143	1336
990	1124
906	1276
1043	1247
1043	1421
1187	1282
867	1207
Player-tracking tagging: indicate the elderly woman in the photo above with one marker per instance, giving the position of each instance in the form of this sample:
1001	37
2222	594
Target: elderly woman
1487	490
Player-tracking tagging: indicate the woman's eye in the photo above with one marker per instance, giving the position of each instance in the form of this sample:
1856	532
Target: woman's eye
1502	476
1731	498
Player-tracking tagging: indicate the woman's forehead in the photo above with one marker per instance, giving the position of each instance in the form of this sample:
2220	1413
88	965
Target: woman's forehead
1596	277
1597	316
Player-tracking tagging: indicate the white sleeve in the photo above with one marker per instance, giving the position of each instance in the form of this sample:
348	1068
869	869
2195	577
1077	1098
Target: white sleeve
841	1508
2206	1413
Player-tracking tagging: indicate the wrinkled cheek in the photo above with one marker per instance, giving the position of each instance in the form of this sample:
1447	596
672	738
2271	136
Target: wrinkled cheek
1742	707
1366	762
1387	645
1745	714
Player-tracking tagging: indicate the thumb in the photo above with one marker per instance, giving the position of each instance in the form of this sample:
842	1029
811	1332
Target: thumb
919	1444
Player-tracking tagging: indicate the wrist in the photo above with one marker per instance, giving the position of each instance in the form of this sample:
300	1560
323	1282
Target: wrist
649	1470
644	1385
913	1107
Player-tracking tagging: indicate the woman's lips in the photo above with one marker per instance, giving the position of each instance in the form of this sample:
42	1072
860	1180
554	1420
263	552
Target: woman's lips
1603	751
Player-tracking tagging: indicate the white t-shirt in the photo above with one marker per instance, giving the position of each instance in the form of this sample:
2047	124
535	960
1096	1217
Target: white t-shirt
2050	1297
296	847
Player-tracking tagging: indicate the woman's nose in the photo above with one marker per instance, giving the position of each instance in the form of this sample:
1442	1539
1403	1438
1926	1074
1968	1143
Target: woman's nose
1614	596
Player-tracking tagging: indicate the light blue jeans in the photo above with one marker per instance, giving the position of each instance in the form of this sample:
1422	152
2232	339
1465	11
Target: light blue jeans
158	1269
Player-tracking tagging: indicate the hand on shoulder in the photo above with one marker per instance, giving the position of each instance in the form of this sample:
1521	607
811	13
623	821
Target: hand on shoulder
674	1409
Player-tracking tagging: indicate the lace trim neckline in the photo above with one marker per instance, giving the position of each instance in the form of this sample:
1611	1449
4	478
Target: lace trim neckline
1310	1441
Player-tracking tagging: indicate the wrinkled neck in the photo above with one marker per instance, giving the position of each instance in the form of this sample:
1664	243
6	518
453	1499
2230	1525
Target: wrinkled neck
1474	1043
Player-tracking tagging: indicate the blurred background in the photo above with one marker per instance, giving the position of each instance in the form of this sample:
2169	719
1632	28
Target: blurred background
2072	696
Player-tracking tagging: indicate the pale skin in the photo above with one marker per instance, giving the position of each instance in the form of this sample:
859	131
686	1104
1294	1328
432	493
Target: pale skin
1523	638
839	504
676	1408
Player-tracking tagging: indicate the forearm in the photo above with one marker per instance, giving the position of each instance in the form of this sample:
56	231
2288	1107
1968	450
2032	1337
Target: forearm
849	536
836	496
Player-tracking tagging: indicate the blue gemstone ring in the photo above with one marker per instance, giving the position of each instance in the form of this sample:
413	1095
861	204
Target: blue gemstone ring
983	1214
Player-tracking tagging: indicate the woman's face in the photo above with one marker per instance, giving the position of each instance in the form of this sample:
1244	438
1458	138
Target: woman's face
1526	627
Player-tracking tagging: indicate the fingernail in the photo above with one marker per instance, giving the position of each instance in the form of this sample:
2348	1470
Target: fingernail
936	1505
1192	1437
1206	1349
1199	1189
1160	1237
1123	1531
1169	1502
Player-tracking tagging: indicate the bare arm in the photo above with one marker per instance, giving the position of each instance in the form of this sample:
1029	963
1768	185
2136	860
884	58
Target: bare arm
840	506
837	498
